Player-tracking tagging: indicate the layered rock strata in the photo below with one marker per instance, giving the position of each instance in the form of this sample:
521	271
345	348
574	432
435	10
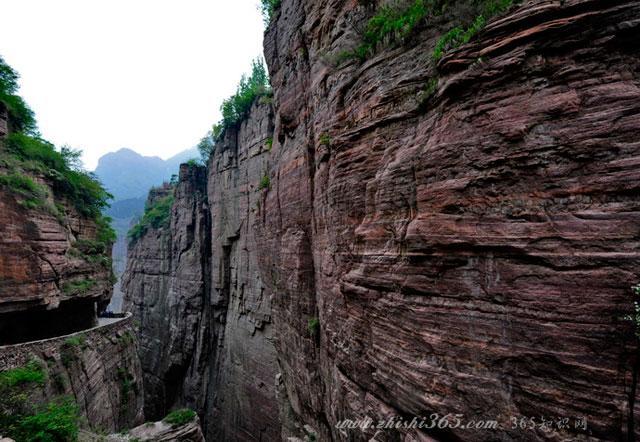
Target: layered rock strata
48	286
467	248
454	237
98	368
196	289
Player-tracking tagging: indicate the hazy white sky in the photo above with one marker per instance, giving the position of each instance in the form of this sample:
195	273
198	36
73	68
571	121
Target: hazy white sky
145	74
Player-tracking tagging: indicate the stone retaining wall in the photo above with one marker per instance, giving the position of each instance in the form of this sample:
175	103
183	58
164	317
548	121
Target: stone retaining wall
98	367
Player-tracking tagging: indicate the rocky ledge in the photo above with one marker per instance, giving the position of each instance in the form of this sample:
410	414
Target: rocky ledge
97	368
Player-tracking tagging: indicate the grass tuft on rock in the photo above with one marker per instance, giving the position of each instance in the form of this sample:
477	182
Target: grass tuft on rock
32	372
177	418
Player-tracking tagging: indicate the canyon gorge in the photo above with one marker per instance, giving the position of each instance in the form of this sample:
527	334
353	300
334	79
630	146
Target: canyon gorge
410	233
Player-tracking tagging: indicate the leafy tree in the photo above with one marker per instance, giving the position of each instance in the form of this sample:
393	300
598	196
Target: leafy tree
206	146
21	117
268	8
235	108
25	151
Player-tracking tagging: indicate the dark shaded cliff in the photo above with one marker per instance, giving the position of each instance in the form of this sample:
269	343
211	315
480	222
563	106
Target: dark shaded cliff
455	236
196	290
165	286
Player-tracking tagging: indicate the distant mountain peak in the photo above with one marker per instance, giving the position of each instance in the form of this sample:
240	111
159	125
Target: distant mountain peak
127	174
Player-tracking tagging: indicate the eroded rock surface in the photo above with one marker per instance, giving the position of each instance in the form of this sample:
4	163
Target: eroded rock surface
153	431
48	286
197	292
98	368
402	249
469	252
165	287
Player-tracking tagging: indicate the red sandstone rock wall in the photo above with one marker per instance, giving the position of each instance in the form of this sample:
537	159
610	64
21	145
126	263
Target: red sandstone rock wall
90	367
164	286
36	260
242	399
197	292
469	254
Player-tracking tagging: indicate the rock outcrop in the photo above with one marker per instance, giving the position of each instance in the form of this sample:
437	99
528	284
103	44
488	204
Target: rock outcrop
196	290
152	431
98	368
166	288
469	251
455	237
243	399
48	286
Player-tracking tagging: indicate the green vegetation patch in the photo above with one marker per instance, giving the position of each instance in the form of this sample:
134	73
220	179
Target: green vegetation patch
33	194
61	167
23	421
32	372
178	418
460	35
127	384
313	325
391	24
156	215
397	22
78	287
76	341
235	108
21	118
58	421
634	318
25	153
268	8
265	182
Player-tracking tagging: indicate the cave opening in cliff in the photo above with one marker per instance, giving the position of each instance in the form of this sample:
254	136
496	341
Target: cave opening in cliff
37	324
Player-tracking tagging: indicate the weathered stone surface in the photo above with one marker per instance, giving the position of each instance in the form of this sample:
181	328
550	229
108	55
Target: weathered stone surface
468	252
242	394
91	367
196	289
37	260
164	284
471	253
155	431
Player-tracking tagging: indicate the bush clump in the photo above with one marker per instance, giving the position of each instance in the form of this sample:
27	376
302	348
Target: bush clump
313	325
80	187
22	421
21	117
78	287
33	193
156	215
178	418
32	372
265	182
235	108
634	318
58	421
391	23
460	35
268	8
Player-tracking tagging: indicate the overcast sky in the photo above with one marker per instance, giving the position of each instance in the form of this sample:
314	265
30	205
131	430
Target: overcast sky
145	74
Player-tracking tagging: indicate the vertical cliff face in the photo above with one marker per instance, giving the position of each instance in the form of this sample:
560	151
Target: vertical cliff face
242	395
406	236
197	292
166	291
467	249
